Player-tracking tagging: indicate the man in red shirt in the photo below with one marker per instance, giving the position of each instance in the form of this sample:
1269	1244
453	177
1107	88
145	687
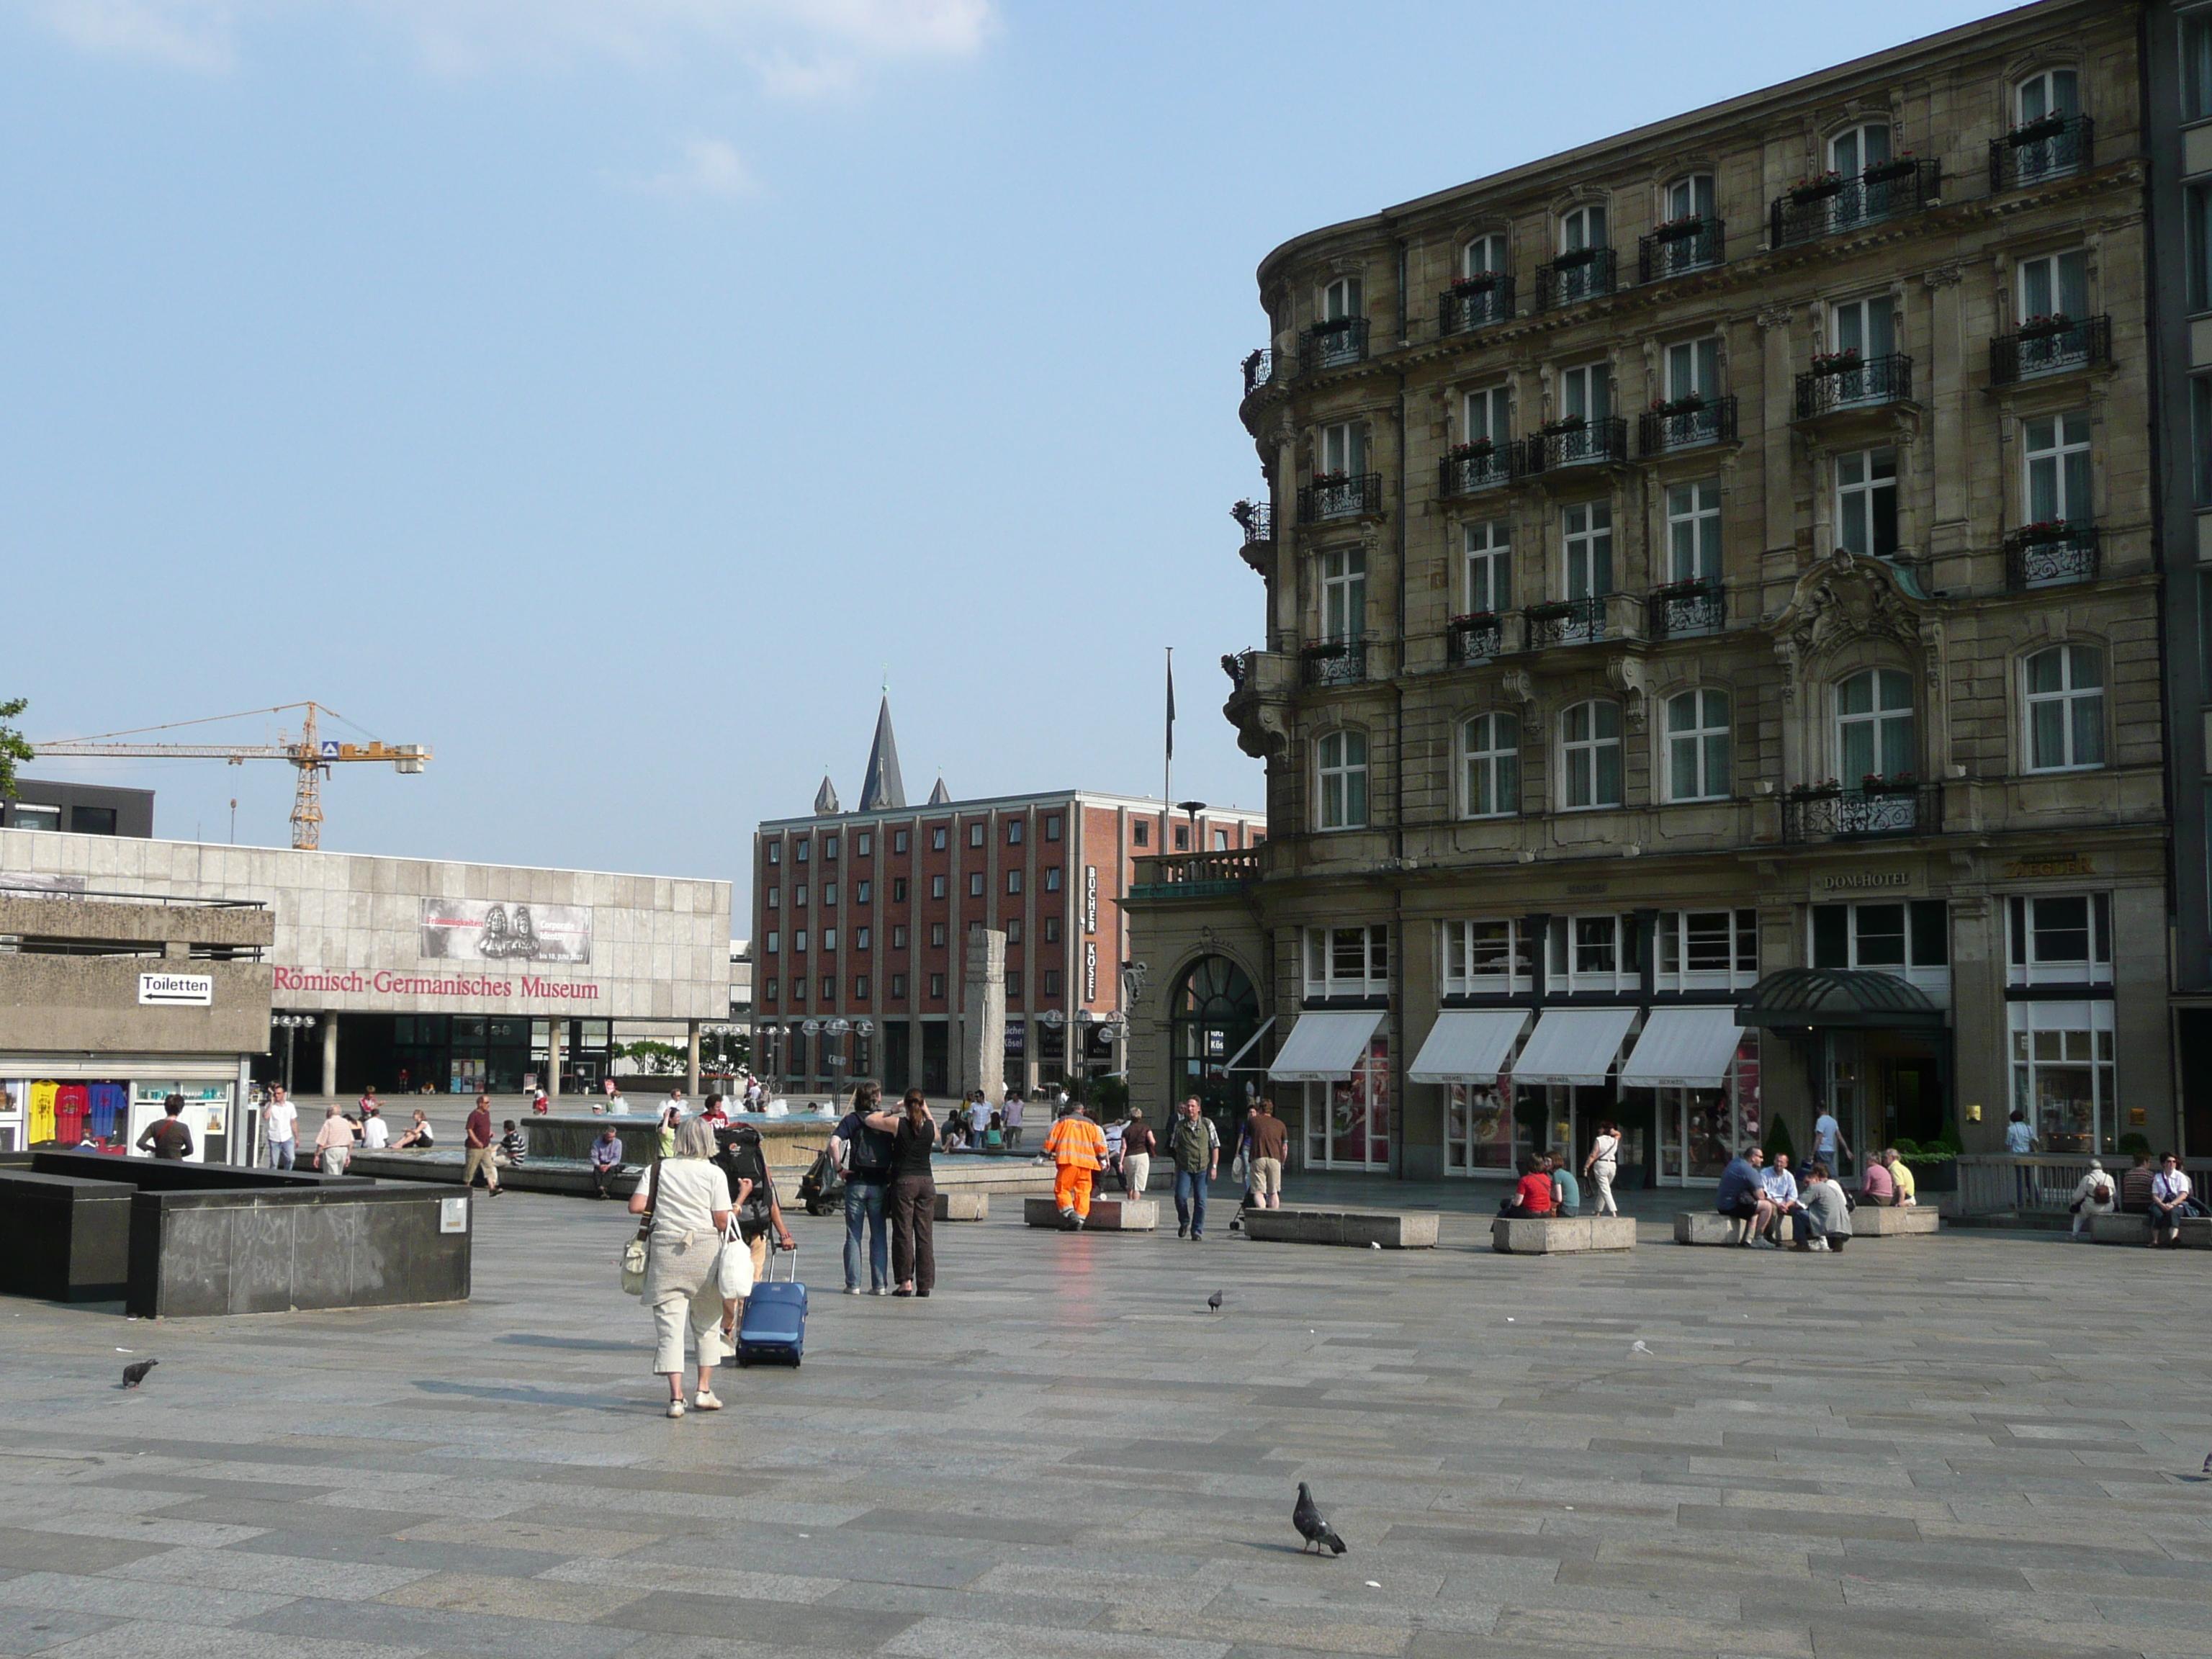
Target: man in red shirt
1533	1197
477	1139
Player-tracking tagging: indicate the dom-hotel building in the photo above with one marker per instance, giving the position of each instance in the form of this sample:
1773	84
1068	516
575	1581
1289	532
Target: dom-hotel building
1712	666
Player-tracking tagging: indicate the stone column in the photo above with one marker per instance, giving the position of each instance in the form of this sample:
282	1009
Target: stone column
983	1015
556	1029
329	1054
691	1060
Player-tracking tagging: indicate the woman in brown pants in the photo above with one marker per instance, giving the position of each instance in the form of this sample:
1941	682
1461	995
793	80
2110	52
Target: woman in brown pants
912	1201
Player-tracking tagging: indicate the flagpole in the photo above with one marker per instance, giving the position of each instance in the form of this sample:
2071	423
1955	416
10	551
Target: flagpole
1167	769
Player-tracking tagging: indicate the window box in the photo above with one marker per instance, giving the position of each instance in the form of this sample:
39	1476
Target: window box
1565	622
1334	662
2042	328
2030	132
2036	535
1842	381
1813	189
1904	166
1574	256
1481	282
1685	423
1475	638
1836	362
1571	424
1481	448
1330	345
1340	496
2049	147
1673	230
1688	405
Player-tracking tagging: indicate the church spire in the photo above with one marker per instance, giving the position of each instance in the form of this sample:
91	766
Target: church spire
882	785
825	799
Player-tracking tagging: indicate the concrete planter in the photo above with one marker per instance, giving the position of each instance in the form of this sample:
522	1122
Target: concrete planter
1709	1227
963	1206
1882	1221
1108	1215
1553	1236
1393	1229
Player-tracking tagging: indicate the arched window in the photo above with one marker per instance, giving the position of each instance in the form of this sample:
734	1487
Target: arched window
2066	709
1484	255
1852	152
1341	300
2054	92
1215	1011
1341	773
1583	226
1688	237
1490	766
1874	736
1690	198
1698	746
1590	755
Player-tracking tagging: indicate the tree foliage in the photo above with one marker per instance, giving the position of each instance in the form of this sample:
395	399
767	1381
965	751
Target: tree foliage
13	746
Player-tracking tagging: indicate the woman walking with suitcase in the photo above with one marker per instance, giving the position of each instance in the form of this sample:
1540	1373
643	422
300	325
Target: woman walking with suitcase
913	1199
688	1197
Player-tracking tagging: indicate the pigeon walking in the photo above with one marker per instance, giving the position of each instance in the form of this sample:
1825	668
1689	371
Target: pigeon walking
135	1373
1214	1302
1312	1525
2207	1462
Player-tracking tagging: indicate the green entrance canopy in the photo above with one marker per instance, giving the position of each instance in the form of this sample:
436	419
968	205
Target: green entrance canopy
1849	997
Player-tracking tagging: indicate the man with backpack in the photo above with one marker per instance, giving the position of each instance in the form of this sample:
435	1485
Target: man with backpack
862	1149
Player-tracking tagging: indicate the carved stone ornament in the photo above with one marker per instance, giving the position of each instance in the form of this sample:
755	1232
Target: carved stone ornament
1626	675
1771	317
1942	277
1262	733
1515	684
1847	596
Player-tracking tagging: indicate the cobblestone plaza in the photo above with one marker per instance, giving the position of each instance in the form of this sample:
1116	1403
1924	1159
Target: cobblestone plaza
1952	1446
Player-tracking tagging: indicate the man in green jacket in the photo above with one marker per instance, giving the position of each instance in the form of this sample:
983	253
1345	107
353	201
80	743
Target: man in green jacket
1195	1150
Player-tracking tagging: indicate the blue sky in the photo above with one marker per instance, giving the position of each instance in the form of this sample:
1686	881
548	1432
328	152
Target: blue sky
610	393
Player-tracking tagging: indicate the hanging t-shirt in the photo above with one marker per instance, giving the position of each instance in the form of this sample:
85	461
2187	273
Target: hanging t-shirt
42	1112
71	1101
110	1101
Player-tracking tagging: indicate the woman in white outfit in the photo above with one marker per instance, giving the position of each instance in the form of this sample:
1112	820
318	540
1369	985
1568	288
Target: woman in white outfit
1602	1163
689	1197
2093	1195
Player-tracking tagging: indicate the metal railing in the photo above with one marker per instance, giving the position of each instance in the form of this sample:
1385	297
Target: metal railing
1713	422
1834	813
1565	622
1681	609
2037	555
1340	498
1851	383
1258	519
1602	439
2050	347
1334	662
1463	472
1259	369
1684	245
21	886
1470	641
1475	302
1825	206
1583	273
2035	150
2043	1183
1332	345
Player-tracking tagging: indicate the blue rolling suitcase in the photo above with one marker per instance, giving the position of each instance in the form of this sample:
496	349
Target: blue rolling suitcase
774	1325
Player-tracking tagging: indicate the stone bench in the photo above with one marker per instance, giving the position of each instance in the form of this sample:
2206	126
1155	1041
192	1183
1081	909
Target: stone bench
1893	1221
1108	1215
2194	1232
1550	1235
1392	1230
965	1206
1709	1227
63	1237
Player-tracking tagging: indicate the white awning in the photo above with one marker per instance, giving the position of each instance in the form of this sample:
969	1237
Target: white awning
1468	1045
1323	1047
1683	1049
1573	1045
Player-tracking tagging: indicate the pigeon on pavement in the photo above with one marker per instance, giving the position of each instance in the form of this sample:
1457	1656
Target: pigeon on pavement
1214	1302
1312	1525
135	1373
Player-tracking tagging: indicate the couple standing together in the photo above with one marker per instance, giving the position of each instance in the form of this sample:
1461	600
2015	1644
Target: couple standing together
886	1158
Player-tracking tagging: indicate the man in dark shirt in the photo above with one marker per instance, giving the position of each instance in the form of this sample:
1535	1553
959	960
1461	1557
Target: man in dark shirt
862	1149
171	1138
477	1139
1271	1145
1741	1197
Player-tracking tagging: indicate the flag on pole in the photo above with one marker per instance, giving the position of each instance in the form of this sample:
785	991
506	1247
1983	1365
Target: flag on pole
1170	702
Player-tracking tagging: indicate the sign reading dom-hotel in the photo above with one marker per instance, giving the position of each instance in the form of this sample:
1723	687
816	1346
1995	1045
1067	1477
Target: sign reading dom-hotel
384	982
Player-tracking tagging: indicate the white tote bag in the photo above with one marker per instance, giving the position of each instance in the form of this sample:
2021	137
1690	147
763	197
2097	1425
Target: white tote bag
736	1270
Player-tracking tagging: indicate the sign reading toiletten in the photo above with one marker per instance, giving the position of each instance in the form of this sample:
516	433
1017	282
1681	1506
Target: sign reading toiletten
176	990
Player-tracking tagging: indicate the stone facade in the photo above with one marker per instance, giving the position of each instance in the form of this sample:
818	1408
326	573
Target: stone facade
1842	653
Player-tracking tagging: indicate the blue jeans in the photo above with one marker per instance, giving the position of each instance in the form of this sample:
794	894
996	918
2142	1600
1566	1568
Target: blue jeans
281	1153
1190	1201
863	1204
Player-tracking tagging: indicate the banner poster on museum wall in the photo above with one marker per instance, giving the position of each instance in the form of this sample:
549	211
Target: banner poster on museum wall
492	930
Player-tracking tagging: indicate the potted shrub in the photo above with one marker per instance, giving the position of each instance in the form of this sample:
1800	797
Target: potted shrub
1935	1166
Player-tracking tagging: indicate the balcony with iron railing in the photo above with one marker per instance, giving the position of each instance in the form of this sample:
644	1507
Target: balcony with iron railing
1831	202
1483	464
1578	622
1340	496
1259	369
1332	345
1843	381
1686	423
1574	441
1475	302
1334	662
2050	555
2049	148
1878	806
1684	610
2049	345
1195	875
1258	519
1681	245
1474	639
1579	274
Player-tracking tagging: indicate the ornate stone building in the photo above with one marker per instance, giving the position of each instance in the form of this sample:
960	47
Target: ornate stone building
1711	667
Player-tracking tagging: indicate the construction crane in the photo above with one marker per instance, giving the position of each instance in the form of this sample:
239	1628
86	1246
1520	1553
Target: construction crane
311	756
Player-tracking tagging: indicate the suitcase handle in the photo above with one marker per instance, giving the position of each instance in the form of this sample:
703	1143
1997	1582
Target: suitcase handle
773	1251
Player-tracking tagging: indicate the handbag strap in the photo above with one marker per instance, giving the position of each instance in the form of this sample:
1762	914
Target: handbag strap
652	1198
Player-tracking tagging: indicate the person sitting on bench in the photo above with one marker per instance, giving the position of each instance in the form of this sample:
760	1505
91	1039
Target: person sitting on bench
1823	1219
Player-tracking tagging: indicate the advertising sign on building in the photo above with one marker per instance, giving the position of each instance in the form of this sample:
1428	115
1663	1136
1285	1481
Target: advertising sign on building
1089	898
487	930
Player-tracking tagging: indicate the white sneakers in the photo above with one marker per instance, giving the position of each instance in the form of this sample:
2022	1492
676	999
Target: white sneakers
706	1402
676	1408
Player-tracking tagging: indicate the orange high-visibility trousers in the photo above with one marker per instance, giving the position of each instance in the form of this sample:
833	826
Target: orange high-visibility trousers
1071	1190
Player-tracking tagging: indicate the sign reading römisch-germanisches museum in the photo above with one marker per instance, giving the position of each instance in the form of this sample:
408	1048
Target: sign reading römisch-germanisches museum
384	982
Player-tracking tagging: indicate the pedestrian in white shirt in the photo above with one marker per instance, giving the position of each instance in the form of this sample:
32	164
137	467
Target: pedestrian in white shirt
1827	1139
375	1133
1602	1164
1781	1189
2092	1197
280	1126
2169	1194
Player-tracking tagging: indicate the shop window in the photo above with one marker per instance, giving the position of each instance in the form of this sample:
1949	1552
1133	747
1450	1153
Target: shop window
2059	939
2064	1075
1052	930
936	935
1601	952
1486	956
898	938
898	889
1703	948
1348	961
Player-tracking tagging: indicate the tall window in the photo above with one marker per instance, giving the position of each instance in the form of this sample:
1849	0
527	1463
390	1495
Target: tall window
1853	152
1587	528
1698	746
1583	226
2058	476
1693	368
1874	727
1483	254
1489	565
1590	754
1344	593
1586	391
1694	531
2198	231
1691	198
1577	275
1342	758
2066	708
1866	502
1340	300
1868	326
1488	415
2062	1072
2197	66
1490	766
2054	92
2055	285
1343	449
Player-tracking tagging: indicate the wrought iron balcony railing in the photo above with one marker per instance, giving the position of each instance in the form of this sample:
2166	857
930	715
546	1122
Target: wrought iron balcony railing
1681	246
1259	369
2046	149
1334	662
1850	382
2049	345
1582	273
1676	427
1468	470
1681	609
1565	622
1602	439
1258	519
1332	345
1472	640
2051	555
1829	813
1340	497
1475	302
1821	207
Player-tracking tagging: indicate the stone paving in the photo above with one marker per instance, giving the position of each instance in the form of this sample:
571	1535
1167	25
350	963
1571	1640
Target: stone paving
1973	1445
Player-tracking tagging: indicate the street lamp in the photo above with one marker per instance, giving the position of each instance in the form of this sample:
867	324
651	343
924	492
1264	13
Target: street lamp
1193	808
288	1024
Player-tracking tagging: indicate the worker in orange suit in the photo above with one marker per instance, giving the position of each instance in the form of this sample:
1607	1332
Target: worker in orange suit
1078	1146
